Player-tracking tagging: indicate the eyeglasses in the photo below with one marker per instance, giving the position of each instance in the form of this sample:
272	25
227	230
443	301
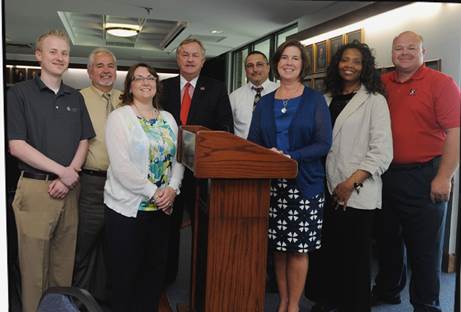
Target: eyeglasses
140	78
257	65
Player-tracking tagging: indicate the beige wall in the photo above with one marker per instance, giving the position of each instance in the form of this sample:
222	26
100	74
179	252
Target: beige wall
439	24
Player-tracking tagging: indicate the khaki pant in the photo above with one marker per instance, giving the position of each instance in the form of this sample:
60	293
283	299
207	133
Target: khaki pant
47	230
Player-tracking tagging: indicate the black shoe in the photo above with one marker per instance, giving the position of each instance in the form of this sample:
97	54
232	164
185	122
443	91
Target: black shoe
320	307
379	300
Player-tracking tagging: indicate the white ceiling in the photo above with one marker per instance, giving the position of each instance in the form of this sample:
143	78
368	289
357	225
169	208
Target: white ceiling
241	21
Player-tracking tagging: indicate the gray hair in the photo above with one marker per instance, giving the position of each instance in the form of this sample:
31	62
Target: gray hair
191	40
99	51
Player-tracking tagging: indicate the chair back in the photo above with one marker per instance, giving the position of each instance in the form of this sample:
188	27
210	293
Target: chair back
67	299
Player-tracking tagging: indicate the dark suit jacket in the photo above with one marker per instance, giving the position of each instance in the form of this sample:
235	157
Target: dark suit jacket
210	106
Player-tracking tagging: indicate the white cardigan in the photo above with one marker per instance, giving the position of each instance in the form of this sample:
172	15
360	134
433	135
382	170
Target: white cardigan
128	149
362	139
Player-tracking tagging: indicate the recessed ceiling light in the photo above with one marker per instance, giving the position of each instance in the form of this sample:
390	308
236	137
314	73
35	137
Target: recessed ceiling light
215	31
122	30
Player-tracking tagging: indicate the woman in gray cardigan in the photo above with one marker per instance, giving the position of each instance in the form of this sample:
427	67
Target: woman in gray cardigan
361	152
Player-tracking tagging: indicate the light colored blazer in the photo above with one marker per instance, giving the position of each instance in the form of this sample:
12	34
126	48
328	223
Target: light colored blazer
128	149
362	139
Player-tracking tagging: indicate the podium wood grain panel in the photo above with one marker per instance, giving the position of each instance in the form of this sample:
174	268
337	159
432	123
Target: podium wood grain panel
223	155
230	229
237	247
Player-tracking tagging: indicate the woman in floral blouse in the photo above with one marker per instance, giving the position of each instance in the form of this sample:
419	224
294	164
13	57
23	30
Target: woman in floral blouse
143	180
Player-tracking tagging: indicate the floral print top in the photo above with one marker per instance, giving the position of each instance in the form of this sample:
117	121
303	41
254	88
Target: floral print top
162	150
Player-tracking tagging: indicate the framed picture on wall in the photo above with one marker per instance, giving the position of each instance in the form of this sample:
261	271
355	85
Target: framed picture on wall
333	46
310	58
434	64
319	84
32	72
8	75
309	82
354	35
321	56
383	70
19	74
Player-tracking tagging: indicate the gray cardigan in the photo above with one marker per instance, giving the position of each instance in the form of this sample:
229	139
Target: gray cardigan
362	139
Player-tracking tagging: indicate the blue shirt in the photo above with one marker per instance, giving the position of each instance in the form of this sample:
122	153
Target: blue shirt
309	136
284	111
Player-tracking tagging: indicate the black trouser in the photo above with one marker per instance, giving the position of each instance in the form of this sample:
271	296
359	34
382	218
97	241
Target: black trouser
409	216
340	272
89	270
136	259
184	201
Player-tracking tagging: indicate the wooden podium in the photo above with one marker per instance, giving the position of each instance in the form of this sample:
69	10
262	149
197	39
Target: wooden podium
230	231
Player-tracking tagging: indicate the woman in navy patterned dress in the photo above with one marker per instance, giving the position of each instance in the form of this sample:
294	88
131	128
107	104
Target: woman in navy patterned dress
294	120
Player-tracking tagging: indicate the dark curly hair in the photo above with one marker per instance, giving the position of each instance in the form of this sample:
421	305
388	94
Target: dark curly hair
369	76
278	55
127	96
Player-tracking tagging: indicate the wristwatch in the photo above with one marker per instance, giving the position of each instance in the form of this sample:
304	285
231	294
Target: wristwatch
357	187
152	199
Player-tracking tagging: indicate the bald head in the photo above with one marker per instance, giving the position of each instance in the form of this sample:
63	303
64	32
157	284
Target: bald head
407	52
409	34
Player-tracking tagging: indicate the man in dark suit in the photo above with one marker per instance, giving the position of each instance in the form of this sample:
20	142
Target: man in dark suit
192	99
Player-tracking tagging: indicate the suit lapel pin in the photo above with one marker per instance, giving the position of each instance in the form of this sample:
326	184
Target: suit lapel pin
202	88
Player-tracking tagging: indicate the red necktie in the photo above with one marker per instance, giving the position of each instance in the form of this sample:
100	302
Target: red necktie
185	104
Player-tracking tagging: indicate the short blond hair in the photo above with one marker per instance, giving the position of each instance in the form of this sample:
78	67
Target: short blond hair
52	33
191	40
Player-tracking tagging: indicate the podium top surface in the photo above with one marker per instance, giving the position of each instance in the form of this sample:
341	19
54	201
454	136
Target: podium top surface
219	154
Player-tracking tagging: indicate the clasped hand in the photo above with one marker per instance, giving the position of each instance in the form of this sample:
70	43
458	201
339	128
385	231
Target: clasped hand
69	176
342	193
164	198
57	189
280	152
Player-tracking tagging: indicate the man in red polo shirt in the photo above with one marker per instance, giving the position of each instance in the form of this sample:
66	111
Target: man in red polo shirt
425	114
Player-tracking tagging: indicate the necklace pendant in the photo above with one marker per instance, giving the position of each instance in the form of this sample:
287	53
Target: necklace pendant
283	110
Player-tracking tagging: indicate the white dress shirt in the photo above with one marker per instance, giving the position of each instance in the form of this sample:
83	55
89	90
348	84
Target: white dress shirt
182	84
242	101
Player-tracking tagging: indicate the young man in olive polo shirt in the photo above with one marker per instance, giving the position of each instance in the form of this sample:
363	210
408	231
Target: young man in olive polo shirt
48	131
100	99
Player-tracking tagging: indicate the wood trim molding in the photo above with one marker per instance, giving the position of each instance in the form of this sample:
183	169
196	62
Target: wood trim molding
347	19
449	263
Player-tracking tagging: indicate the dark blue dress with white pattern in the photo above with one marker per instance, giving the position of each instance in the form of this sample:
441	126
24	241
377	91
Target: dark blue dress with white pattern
295	222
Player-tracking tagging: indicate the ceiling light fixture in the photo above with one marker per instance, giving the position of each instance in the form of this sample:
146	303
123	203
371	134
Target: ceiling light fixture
215	32
122	30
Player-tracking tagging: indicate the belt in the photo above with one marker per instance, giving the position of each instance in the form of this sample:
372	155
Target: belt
39	176
401	167
98	173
